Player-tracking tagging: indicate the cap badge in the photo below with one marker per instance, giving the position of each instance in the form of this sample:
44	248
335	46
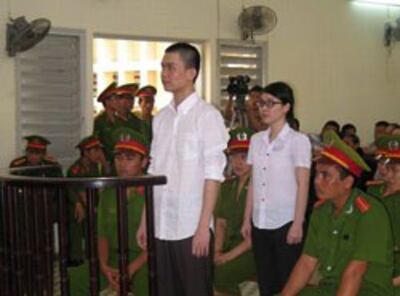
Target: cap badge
242	136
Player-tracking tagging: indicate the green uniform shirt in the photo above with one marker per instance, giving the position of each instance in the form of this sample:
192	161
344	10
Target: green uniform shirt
392	204
107	226
353	235
376	190
104	128
81	170
230	207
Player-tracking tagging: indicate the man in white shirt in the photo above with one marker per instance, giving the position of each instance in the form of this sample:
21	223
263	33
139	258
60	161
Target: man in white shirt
189	138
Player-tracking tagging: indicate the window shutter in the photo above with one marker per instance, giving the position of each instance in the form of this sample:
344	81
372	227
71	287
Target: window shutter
240	59
48	85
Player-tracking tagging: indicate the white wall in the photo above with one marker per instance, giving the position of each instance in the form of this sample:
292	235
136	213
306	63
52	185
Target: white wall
331	51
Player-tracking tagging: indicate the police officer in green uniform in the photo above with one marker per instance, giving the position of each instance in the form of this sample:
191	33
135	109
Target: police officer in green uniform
36	155
146	97
389	192
130	158
234	261
91	163
116	114
349	238
125	97
104	122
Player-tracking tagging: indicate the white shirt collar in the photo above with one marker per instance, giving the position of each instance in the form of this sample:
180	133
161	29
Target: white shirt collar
186	104
281	135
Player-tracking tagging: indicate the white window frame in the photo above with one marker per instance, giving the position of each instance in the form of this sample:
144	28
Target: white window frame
202	91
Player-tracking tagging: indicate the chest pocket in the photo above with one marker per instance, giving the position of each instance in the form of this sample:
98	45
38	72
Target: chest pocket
346	241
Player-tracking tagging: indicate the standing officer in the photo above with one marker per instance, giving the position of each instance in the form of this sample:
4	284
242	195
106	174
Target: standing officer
349	237
103	123
389	192
125	118
117	114
91	163
146	102
36	155
126	96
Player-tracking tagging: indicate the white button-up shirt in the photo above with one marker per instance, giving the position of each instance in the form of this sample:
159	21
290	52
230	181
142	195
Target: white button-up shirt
274	178
187	147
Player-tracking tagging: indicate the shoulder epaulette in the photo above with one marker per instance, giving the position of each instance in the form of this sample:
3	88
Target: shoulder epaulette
362	204
75	170
374	183
140	190
18	161
319	203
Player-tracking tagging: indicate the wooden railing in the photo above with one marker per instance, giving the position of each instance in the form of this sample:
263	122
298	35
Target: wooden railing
28	206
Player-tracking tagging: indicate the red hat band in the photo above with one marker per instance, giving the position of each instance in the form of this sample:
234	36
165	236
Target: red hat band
132	145
35	145
106	95
238	144
339	157
393	154
146	94
91	144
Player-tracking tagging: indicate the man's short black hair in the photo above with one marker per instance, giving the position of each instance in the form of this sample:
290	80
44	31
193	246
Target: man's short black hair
333	123
382	123
189	54
256	88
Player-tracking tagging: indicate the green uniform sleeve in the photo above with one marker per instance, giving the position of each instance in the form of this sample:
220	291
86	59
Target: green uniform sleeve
96	127
374	238
311	243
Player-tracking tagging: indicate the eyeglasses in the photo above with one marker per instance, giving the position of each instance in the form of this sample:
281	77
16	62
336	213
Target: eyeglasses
269	103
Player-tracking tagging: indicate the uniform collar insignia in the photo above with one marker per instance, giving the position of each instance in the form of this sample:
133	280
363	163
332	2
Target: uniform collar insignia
349	210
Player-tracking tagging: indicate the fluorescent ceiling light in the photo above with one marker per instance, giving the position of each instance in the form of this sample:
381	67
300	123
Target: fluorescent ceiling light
383	2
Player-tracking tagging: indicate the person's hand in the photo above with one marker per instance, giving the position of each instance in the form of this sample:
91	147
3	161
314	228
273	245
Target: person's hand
201	242
295	234
101	158
112	276
222	258
79	212
141	236
246	229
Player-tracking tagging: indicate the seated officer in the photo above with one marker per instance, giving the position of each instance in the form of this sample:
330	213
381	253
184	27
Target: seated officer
375	185
36	155
233	257
91	163
349	237
130	157
389	192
